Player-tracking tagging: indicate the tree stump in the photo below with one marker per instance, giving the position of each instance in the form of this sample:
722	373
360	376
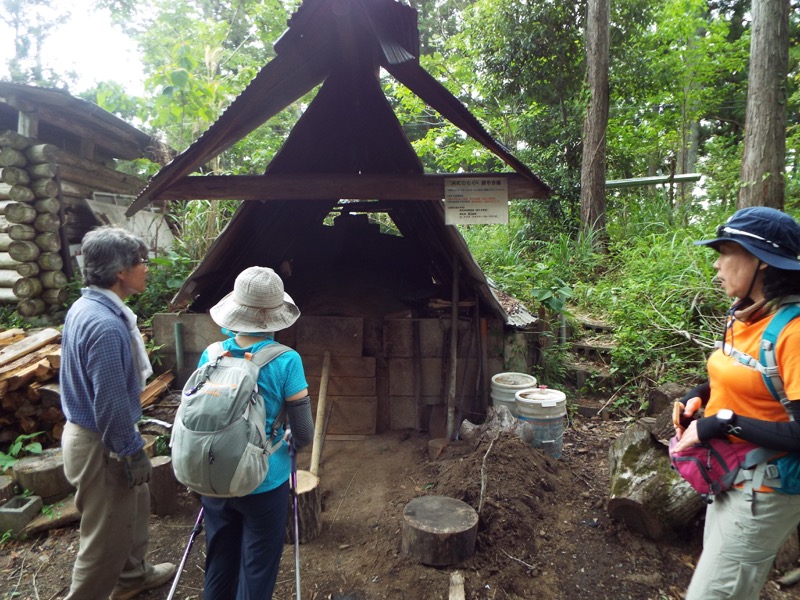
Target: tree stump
163	487
439	531
309	509
647	494
43	474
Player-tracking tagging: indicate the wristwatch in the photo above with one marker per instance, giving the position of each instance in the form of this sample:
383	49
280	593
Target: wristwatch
726	419
725	416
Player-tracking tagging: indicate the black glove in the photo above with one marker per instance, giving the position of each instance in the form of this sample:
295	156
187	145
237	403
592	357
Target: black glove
137	468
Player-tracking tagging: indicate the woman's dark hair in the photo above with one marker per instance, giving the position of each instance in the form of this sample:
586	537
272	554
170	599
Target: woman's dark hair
107	251
780	282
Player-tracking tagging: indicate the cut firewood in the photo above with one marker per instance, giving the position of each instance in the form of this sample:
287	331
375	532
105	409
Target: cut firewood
155	388
11	336
28	345
32	359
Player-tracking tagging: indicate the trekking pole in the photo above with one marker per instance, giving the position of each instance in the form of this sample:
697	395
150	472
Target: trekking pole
293	455
198	527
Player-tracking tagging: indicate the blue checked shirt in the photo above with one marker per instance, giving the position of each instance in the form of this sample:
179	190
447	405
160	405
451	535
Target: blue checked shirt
100	386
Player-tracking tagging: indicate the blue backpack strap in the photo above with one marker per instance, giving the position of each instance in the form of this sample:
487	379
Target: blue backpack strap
767	355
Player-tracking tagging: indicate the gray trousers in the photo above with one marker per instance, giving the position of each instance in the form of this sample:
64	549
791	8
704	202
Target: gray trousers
114	518
740	542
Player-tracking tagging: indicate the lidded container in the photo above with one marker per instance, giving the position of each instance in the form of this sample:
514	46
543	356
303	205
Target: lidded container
505	387
544	409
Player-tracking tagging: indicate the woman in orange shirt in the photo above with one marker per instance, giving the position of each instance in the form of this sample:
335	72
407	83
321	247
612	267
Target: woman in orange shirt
757	266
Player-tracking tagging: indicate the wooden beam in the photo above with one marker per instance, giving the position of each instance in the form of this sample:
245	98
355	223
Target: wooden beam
317	186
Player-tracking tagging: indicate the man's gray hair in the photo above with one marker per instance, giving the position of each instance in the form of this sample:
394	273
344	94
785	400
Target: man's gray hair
108	250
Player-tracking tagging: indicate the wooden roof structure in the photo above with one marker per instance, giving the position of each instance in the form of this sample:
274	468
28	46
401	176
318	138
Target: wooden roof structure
52	114
348	144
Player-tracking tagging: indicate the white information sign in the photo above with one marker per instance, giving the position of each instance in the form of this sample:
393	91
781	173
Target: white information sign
472	200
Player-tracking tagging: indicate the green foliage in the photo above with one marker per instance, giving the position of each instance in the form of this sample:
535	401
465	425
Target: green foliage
165	277
18	449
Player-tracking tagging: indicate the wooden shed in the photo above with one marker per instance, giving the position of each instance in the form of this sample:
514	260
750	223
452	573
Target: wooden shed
58	179
381	300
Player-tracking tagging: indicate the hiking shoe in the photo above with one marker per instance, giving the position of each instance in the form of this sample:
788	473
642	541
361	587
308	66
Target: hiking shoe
157	577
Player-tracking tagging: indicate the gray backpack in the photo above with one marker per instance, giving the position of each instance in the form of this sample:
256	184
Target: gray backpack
219	444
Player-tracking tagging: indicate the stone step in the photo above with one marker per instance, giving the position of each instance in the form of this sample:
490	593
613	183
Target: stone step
593	349
580	372
591	324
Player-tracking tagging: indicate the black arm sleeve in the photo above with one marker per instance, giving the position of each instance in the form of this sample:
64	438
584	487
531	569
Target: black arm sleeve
300	421
703	391
767	434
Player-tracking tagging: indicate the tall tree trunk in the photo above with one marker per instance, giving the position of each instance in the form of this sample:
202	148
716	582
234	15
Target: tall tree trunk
764	157
593	166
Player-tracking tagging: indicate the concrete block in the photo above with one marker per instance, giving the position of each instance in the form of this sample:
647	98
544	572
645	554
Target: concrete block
16	513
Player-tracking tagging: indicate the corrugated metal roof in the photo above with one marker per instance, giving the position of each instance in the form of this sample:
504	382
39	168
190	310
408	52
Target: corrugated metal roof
349	128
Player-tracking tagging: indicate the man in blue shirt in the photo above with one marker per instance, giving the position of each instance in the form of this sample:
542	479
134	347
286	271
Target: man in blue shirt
104	367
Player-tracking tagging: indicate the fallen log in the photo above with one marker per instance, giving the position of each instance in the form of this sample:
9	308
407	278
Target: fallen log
24	250
27	287
646	493
50	261
16	193
53	279
14	176
31	307
12	139
21	232
48	242
26	269
9	157
9	278
44	188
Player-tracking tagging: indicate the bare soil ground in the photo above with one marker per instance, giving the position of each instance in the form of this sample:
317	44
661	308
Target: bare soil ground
543	532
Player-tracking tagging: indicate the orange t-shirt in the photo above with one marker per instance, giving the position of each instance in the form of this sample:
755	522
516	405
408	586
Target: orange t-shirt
742	388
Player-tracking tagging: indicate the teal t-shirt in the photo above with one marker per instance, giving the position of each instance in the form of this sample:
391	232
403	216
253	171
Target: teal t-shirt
281	378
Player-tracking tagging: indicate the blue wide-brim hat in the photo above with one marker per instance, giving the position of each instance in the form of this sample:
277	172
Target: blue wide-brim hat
768	234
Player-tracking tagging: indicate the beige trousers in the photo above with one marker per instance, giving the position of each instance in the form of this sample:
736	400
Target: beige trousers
740	542
114	518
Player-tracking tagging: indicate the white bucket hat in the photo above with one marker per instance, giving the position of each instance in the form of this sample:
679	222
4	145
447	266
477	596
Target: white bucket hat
257	304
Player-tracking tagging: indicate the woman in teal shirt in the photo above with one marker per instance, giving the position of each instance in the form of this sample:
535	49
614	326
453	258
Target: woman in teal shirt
244	535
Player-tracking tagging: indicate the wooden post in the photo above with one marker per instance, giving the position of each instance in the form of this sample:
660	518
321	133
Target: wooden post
417	350
163	487
451	378
319	428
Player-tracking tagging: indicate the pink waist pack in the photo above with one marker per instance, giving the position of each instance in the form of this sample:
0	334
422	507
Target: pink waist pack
710	467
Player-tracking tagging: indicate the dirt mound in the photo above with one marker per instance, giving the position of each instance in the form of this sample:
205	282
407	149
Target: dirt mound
543	531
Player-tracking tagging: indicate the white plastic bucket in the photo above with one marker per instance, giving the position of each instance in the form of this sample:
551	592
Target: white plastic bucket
505	387
544	409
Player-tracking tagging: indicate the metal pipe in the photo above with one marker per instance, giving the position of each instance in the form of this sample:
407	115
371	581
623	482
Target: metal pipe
178	347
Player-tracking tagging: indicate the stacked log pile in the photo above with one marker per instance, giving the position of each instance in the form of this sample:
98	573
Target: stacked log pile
43	192
30	398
